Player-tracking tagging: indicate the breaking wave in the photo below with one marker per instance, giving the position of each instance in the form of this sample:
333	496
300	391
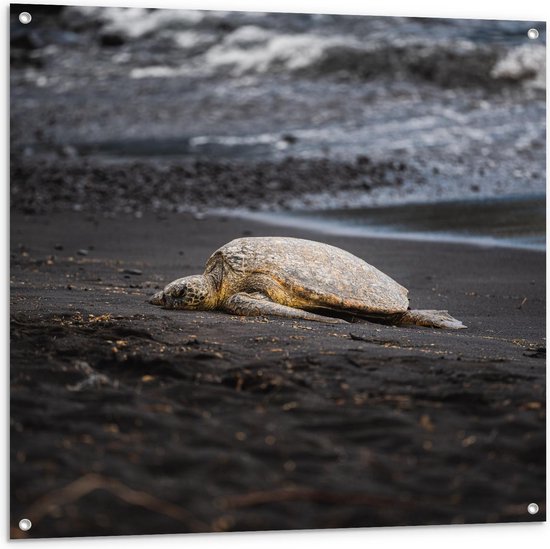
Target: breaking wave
525	63
236	44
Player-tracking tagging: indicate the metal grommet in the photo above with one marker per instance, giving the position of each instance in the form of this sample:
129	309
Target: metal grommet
25	17
532	508
25	524
533	34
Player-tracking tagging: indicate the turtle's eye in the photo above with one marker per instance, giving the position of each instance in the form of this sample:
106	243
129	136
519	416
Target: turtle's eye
180	292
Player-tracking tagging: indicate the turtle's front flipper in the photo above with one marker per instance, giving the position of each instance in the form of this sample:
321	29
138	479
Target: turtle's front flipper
430	319
244	304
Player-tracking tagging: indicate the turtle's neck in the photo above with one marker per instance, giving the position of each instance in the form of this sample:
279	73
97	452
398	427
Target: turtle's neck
212	299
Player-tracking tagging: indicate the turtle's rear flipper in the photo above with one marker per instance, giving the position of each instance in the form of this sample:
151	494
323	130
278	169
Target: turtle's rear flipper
430	319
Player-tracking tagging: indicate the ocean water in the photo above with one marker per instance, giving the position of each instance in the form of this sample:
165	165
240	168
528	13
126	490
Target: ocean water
461	102
234	44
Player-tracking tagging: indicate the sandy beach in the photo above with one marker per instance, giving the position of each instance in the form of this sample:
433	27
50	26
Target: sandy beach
129	419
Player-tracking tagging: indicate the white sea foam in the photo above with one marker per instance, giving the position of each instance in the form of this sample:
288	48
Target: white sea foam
189	39
233	140
156	71
253	49
527	62
137	22
248	35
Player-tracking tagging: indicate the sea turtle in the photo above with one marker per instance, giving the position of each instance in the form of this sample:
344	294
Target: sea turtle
295	278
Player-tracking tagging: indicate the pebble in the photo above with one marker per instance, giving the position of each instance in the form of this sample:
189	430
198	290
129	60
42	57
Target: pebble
112	39
82	252
132	271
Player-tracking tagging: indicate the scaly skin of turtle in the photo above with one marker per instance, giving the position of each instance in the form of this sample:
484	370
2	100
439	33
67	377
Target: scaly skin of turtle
244	304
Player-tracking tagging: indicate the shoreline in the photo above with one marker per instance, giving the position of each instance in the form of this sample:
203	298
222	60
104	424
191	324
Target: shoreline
171	245
325	227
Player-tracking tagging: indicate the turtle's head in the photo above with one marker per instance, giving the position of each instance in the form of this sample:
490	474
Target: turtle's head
195	292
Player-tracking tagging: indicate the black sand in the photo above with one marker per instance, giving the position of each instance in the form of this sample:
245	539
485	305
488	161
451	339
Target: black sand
129	419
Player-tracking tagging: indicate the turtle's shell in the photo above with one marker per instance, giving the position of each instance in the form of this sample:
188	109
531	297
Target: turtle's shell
313	274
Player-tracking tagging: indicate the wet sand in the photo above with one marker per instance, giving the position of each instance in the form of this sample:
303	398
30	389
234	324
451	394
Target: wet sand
128	419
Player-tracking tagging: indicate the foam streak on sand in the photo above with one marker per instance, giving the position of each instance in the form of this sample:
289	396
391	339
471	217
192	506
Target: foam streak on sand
513	222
